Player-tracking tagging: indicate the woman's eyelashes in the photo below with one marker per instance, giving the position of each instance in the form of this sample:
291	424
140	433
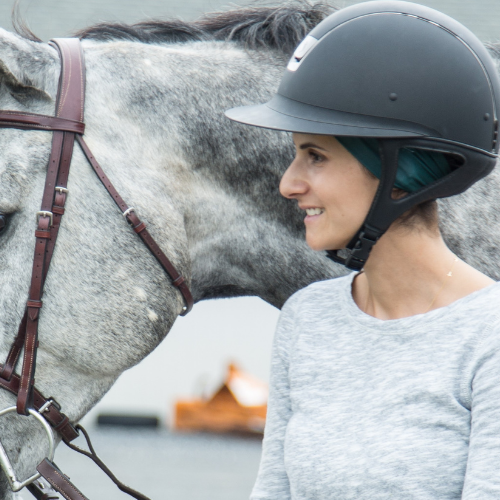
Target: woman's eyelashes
315	157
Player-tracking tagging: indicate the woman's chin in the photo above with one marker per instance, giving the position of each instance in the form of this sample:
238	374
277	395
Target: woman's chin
321	239
331	237
321	245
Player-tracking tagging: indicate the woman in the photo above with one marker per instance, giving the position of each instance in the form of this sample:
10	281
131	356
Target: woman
385	383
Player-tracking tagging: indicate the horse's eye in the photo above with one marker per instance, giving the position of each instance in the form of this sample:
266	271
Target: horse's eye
3	222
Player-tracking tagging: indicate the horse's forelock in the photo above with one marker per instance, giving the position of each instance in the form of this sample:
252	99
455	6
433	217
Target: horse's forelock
20	24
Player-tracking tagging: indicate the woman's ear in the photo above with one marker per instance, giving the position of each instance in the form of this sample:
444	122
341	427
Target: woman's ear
28	70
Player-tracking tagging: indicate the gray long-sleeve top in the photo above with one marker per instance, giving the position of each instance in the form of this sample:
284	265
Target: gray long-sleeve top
366	409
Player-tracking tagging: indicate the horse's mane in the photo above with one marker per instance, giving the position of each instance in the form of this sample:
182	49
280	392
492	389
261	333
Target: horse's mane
494	48
280	27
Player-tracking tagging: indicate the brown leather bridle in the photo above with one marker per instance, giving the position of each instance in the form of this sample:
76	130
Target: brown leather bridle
67	126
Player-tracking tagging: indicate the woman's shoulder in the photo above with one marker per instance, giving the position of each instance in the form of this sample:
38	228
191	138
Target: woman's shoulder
475	319
482	306
483	301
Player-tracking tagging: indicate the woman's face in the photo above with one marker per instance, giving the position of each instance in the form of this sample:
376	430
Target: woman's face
331	186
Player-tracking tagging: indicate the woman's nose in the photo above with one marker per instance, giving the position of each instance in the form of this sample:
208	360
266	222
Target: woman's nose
292	184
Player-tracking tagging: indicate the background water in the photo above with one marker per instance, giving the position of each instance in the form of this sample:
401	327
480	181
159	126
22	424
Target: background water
162	465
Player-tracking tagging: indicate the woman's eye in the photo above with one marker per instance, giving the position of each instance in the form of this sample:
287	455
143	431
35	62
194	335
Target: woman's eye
316	158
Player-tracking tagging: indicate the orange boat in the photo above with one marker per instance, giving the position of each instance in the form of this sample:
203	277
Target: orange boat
240	405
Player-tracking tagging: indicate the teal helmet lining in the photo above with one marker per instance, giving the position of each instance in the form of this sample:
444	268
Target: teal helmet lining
417	168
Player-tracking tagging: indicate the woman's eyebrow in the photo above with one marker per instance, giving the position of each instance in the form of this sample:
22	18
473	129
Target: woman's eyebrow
311	145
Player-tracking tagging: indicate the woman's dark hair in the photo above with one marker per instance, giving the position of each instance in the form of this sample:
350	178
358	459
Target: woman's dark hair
423	216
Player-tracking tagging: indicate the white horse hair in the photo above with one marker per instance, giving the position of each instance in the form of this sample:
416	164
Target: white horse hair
207	189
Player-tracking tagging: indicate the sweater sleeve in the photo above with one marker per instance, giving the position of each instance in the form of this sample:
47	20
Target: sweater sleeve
482	478
272	480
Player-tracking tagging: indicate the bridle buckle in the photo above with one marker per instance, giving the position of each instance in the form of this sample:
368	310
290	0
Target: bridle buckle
128	211
49	403
44	213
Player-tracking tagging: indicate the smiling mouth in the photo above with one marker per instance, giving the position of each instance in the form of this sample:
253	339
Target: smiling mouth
314	211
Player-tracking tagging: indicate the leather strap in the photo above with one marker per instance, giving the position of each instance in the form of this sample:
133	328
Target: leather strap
59	481
69	106
15	350
32	121
140	228
24	397
58	420
93	456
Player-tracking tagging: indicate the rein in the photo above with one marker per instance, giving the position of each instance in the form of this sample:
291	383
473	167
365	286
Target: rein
67	126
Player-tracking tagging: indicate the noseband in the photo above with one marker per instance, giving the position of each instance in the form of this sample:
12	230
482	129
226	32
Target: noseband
67	126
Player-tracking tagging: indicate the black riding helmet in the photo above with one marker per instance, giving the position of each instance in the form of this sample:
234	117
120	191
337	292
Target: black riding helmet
404	74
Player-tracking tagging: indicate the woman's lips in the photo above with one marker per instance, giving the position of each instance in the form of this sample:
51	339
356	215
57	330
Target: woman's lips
311	218
312	213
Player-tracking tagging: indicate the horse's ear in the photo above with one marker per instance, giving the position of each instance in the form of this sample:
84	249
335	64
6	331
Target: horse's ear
27	69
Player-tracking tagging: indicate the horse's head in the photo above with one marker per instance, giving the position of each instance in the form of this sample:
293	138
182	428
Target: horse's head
97	262
206	187
28	81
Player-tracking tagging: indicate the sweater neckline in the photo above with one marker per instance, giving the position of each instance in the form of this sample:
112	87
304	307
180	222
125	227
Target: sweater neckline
408	323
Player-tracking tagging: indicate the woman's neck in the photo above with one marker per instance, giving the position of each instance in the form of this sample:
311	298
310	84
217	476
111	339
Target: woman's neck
412	272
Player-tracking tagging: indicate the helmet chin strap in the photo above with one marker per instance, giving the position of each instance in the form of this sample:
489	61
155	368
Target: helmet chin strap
385	210
360	246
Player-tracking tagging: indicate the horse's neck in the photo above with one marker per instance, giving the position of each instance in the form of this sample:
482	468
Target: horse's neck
208	192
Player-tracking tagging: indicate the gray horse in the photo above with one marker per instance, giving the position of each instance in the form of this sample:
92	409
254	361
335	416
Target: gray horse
206	187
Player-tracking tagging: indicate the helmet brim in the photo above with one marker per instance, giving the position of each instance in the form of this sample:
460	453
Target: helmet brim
284	114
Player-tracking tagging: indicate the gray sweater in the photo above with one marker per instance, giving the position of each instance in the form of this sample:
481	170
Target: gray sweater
362	408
